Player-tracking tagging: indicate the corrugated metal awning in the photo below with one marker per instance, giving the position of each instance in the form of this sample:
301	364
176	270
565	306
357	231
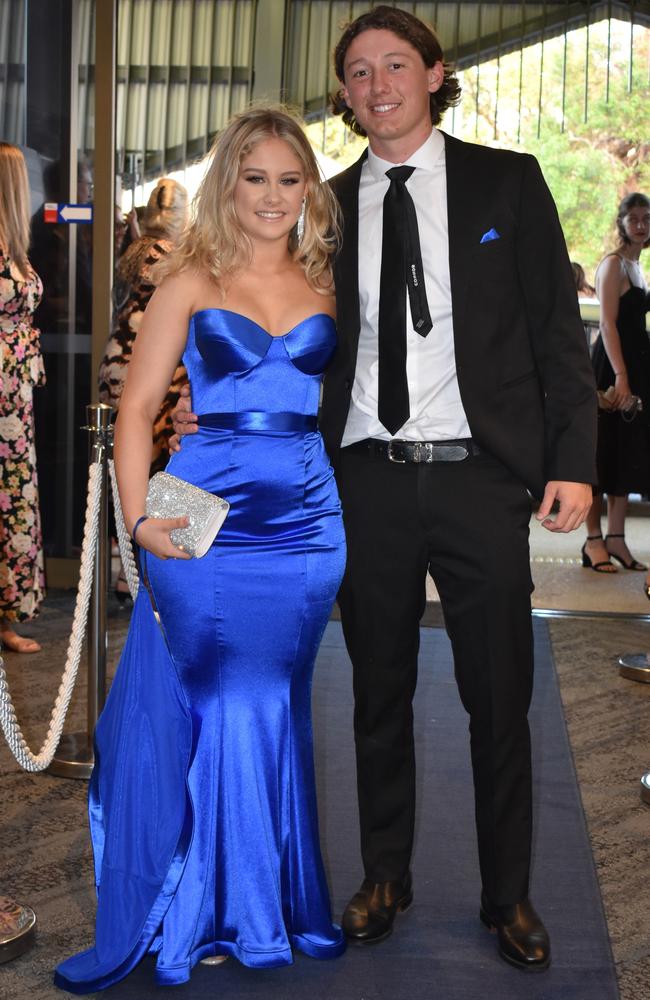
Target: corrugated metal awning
183	66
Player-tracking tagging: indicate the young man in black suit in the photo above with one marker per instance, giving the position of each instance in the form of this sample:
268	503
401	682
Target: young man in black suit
442	414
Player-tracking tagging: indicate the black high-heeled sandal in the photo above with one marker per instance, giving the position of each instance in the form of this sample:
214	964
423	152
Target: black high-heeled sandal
598	567
633	563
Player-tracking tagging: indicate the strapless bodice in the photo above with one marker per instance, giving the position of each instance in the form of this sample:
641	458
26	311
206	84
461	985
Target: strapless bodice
235	365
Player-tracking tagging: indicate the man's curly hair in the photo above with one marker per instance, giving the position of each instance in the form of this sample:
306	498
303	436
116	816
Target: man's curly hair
416	33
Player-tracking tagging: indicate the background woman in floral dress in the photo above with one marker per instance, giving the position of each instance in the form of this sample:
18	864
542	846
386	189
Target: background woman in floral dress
21	554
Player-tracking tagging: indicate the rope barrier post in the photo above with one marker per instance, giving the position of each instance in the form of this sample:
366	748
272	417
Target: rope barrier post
78	761
74	757
635	667
17	929
645	788
101	449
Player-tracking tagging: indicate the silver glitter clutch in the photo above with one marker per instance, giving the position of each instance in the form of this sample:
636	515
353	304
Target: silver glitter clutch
169	496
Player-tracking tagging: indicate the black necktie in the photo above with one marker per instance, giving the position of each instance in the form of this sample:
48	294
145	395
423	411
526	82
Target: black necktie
401	264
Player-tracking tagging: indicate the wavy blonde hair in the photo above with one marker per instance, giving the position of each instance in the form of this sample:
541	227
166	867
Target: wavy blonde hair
14	205
214	241
167	210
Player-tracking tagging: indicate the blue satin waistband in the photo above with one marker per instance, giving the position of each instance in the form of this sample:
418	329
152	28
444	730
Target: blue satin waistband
254	420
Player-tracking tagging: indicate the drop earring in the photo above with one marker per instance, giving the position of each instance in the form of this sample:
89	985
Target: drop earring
300	225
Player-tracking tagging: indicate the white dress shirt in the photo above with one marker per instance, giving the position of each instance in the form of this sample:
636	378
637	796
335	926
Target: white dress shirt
436	410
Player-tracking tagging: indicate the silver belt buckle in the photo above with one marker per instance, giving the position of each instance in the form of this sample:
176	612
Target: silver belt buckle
391	455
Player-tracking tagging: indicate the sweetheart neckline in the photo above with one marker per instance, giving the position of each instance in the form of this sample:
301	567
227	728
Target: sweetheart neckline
273	336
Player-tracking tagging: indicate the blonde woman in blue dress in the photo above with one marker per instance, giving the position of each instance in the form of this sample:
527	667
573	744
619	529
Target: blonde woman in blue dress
202	804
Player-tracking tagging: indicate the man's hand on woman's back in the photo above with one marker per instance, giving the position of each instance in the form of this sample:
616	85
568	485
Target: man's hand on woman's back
185	422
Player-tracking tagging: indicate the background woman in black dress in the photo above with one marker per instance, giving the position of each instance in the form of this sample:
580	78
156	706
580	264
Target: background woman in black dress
621	360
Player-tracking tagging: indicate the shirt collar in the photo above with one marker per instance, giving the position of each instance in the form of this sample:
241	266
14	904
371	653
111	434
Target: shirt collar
424	158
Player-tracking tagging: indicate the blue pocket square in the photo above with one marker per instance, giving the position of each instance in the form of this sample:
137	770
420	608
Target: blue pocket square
490	235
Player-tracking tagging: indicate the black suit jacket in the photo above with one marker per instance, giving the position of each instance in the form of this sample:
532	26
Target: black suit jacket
523	368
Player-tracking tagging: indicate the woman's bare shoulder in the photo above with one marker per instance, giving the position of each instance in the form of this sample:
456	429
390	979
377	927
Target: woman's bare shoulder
329	304
610	271
186	287
611	262
324	293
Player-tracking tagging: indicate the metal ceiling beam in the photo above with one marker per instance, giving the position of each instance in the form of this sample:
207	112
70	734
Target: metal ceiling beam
558	18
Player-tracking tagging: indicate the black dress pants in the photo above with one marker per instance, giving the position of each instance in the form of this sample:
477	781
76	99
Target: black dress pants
467	523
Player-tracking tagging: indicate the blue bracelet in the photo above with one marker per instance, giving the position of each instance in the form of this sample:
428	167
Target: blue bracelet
137	525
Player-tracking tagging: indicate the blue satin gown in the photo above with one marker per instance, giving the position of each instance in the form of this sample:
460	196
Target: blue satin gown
202	801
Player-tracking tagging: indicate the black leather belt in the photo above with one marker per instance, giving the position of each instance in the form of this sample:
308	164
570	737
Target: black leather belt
420	452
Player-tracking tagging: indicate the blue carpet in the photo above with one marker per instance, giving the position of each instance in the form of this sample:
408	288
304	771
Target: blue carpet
440	950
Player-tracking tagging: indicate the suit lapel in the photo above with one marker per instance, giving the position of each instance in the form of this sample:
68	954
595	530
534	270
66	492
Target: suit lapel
346	266
459	221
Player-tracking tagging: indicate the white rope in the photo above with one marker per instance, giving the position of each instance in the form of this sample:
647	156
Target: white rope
38	762
123	538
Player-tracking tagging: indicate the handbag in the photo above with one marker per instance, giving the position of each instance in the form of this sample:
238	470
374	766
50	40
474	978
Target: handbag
169	496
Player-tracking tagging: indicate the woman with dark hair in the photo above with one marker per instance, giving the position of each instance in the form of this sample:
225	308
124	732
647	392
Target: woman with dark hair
22	578
621	361
203	800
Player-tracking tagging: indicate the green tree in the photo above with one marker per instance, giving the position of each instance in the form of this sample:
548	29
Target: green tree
594	149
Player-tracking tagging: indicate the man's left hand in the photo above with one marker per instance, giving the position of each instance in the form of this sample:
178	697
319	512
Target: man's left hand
574	499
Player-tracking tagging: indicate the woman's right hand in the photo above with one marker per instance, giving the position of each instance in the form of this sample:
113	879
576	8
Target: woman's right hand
153	535
622	393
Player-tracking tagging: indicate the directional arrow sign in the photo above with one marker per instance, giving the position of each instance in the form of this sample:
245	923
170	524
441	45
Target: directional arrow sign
75	213
53	212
